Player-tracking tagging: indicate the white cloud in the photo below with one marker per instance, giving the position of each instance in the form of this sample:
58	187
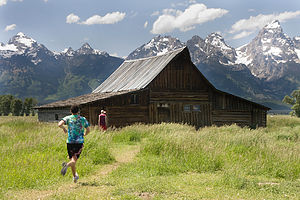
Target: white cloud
155	13
10	27
72	18
242	35
109	18
186	20
146	24
254	23
251	10
3	2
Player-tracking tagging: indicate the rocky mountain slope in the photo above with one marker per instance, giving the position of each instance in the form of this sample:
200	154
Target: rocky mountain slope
269	53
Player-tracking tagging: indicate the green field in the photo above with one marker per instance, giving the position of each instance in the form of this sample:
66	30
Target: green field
163	161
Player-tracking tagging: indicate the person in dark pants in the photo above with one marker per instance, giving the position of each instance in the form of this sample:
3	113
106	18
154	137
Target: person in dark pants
76	132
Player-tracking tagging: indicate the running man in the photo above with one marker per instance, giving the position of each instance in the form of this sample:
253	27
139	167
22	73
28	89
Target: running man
76	125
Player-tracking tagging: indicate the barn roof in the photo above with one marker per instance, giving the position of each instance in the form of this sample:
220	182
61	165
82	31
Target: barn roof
83	99
137	74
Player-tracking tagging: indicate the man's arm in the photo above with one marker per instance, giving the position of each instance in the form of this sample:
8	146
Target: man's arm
61	124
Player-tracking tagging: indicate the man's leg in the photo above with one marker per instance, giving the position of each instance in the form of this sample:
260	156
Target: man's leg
72	164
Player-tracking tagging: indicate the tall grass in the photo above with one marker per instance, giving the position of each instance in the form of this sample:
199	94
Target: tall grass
32	153
272	152
175	162
264	161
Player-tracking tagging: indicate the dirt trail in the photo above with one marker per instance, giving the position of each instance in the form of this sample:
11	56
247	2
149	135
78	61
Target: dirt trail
88	184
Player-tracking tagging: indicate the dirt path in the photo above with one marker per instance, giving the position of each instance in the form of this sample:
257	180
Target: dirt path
87	185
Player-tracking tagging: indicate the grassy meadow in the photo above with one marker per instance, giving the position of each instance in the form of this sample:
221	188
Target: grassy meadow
174	161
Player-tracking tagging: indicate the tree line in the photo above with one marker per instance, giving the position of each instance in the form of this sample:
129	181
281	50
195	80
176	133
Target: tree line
15	106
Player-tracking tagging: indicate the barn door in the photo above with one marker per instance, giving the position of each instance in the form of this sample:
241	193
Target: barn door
163	114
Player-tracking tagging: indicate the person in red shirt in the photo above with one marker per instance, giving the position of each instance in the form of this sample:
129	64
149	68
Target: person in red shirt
102	121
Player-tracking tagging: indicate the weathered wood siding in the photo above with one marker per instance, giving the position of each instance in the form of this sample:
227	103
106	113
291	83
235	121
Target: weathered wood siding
52	115
180	74
229	109
174	112
178	86
121	111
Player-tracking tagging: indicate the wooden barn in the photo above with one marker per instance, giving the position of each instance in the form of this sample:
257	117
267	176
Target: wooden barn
164	88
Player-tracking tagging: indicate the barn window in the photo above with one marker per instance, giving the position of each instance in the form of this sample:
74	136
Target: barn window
134	99
187	108
196	108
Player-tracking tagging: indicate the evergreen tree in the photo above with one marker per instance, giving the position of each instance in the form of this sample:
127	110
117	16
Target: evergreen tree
29	103
5	104
293	100
16	106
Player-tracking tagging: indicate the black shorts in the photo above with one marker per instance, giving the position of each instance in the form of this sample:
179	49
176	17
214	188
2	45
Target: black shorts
74	149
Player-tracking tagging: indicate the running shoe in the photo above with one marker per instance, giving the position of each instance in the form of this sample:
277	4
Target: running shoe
64	168
75	178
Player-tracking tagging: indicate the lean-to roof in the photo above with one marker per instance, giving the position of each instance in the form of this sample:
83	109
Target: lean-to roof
83	99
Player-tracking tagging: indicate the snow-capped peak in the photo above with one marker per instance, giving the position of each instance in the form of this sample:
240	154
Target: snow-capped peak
68	51
273	25
156	46
267	54
86	46
85	49
217	40
22	41
20	34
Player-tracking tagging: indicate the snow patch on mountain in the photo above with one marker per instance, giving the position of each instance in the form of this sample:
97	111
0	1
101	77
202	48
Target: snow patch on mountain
298	53
243	58
85	49
8	47
156	46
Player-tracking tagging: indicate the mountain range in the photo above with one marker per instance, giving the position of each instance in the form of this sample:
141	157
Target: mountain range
29	69
264	70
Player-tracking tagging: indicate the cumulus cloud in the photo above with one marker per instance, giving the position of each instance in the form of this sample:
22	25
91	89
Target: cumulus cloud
72	18
10	27
3	2
186	20
109	18
254	23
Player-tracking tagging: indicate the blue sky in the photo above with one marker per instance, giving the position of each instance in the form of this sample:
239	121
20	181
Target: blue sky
120	26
